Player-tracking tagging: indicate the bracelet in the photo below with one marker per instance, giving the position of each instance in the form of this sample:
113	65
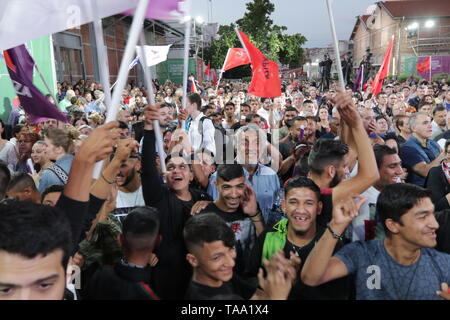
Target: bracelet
103	177
335	235
258	214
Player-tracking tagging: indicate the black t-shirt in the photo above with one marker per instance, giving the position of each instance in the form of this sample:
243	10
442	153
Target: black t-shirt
244	231
337	289
235	289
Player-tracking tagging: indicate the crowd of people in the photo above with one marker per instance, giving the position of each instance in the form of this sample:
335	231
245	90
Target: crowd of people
308	196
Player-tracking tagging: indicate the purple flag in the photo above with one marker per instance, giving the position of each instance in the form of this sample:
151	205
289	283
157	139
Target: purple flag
358	79
20	67
163	10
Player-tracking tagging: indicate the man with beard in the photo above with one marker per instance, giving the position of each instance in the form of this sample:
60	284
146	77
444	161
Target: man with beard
174	200
128	180
328	160
296	235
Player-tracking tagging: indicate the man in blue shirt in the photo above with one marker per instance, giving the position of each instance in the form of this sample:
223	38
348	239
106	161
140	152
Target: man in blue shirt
251	144
403	266
419	153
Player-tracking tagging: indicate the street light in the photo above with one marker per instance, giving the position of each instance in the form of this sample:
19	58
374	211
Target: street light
413	26
429	24
199	20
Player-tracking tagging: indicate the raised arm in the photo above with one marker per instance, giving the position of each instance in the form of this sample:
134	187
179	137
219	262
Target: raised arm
320	267
75	198
367	167
151	183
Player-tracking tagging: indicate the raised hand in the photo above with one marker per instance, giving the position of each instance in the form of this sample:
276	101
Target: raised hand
199	206
344	211
124	149
347	109
444	293
249	204
151	113
100	143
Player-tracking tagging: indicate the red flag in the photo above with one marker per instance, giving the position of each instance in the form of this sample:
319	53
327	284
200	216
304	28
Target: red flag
215	78
208	69
235	57
265	74
424	65
384	70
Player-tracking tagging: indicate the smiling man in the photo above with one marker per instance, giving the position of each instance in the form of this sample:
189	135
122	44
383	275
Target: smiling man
297	235
236	204
34	252
367	225
403	266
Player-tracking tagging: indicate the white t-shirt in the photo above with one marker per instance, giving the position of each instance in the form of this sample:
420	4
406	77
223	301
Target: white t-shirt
126	201
367	218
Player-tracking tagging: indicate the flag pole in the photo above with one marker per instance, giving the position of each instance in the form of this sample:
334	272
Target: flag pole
336	47
130	48
187	35
431	78
102	57
151	97
222	71
42	78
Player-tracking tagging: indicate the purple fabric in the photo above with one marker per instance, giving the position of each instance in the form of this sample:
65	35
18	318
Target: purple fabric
358	79
439	64
162	10
20	67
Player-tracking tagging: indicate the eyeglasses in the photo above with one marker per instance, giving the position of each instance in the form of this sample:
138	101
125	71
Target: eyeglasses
24	141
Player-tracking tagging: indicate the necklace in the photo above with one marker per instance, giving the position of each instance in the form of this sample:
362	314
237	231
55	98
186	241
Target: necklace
296	249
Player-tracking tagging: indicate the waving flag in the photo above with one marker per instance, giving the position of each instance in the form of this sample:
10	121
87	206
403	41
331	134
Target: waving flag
20	67
265	74
384	70
155	54
163	10
359	79
235	57
424	65
208	69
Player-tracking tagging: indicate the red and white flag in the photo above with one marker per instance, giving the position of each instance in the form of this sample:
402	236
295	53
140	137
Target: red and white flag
265	74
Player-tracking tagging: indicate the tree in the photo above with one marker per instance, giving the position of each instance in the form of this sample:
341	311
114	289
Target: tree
267	37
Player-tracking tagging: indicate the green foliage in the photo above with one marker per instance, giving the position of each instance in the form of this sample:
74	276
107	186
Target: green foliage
439	76
270	39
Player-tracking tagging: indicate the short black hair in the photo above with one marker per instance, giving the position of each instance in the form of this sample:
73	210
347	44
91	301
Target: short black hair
291	122
207	227
324	153
5	176
195	98
381	151
302	182
290	109
439	108
51	189
30	229
228	172
251	116
19	181
122	125
140	228
397	199
206	108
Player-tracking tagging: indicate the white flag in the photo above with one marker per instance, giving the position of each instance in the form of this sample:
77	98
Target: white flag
24	20
154	54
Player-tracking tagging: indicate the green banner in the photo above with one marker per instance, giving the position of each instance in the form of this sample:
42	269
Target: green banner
172	69
42	52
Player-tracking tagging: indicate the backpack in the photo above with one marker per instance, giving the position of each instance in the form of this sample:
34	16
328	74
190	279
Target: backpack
220	137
